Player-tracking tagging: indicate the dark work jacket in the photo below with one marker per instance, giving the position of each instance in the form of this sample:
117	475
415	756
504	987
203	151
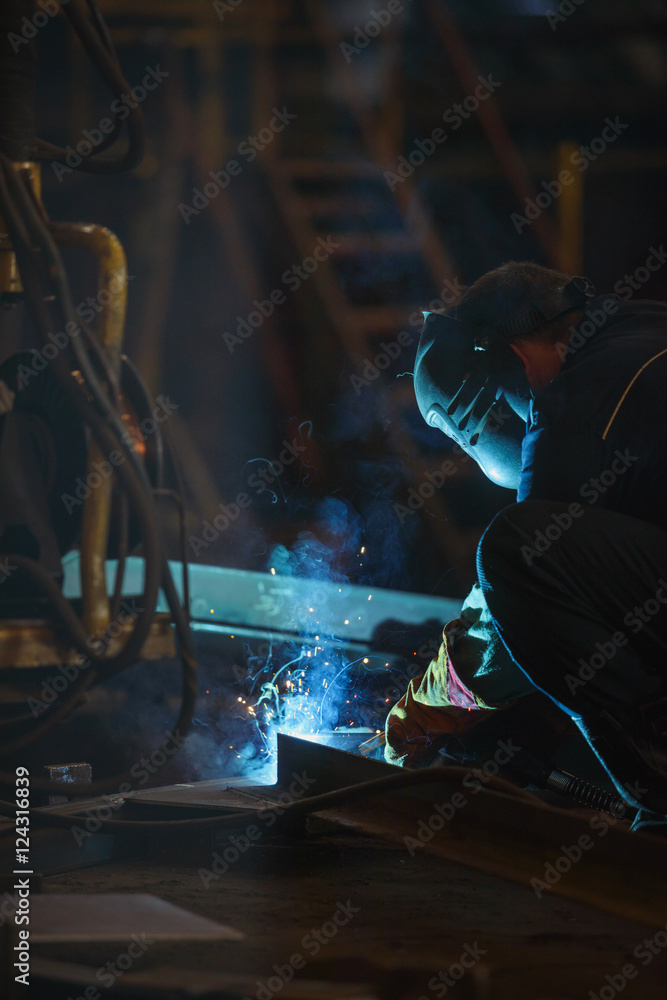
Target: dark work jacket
597	434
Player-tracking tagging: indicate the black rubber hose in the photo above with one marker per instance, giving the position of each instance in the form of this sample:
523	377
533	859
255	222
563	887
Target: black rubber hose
109	67
105	435
18	71
57	275
130	472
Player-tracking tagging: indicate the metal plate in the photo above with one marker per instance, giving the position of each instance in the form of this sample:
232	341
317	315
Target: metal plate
112	916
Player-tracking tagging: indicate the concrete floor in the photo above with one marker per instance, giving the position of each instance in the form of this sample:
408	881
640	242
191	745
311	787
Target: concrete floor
417	914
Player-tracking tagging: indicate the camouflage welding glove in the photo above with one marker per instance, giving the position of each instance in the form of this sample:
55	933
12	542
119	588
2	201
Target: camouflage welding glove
472	674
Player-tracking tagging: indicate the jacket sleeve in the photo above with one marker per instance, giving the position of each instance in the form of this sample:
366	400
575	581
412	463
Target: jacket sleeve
472	674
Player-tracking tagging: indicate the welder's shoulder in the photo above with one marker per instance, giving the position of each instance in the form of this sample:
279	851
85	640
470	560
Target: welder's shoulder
597	373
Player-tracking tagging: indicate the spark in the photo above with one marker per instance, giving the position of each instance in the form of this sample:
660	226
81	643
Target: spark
273	572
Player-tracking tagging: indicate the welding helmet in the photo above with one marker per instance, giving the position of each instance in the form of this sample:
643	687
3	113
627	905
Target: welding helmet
472	385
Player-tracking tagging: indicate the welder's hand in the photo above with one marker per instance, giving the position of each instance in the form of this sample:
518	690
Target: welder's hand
7	398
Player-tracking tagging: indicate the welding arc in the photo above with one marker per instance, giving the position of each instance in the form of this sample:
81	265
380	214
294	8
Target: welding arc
315	803
107	427
97	43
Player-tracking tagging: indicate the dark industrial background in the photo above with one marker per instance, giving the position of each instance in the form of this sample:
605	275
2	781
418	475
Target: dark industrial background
363	445
274	314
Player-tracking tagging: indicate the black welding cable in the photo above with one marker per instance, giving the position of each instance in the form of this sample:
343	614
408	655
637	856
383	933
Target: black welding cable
56	712
101	28
127	655
137	488
314	803
107	437
47	263
52	151
107	63
63	299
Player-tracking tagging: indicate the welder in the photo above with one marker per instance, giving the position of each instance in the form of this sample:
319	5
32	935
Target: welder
572	595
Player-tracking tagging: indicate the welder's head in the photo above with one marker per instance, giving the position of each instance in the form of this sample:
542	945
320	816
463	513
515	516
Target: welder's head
470	381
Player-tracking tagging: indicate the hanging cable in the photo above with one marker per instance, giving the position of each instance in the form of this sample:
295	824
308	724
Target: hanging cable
40	263
97	43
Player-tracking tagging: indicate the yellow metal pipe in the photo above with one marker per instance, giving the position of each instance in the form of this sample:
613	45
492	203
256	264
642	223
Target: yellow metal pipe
111	303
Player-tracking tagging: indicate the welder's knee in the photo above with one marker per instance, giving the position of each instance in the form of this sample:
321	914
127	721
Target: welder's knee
502	546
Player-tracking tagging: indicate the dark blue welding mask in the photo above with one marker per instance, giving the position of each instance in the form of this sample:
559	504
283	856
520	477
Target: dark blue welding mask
472	386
